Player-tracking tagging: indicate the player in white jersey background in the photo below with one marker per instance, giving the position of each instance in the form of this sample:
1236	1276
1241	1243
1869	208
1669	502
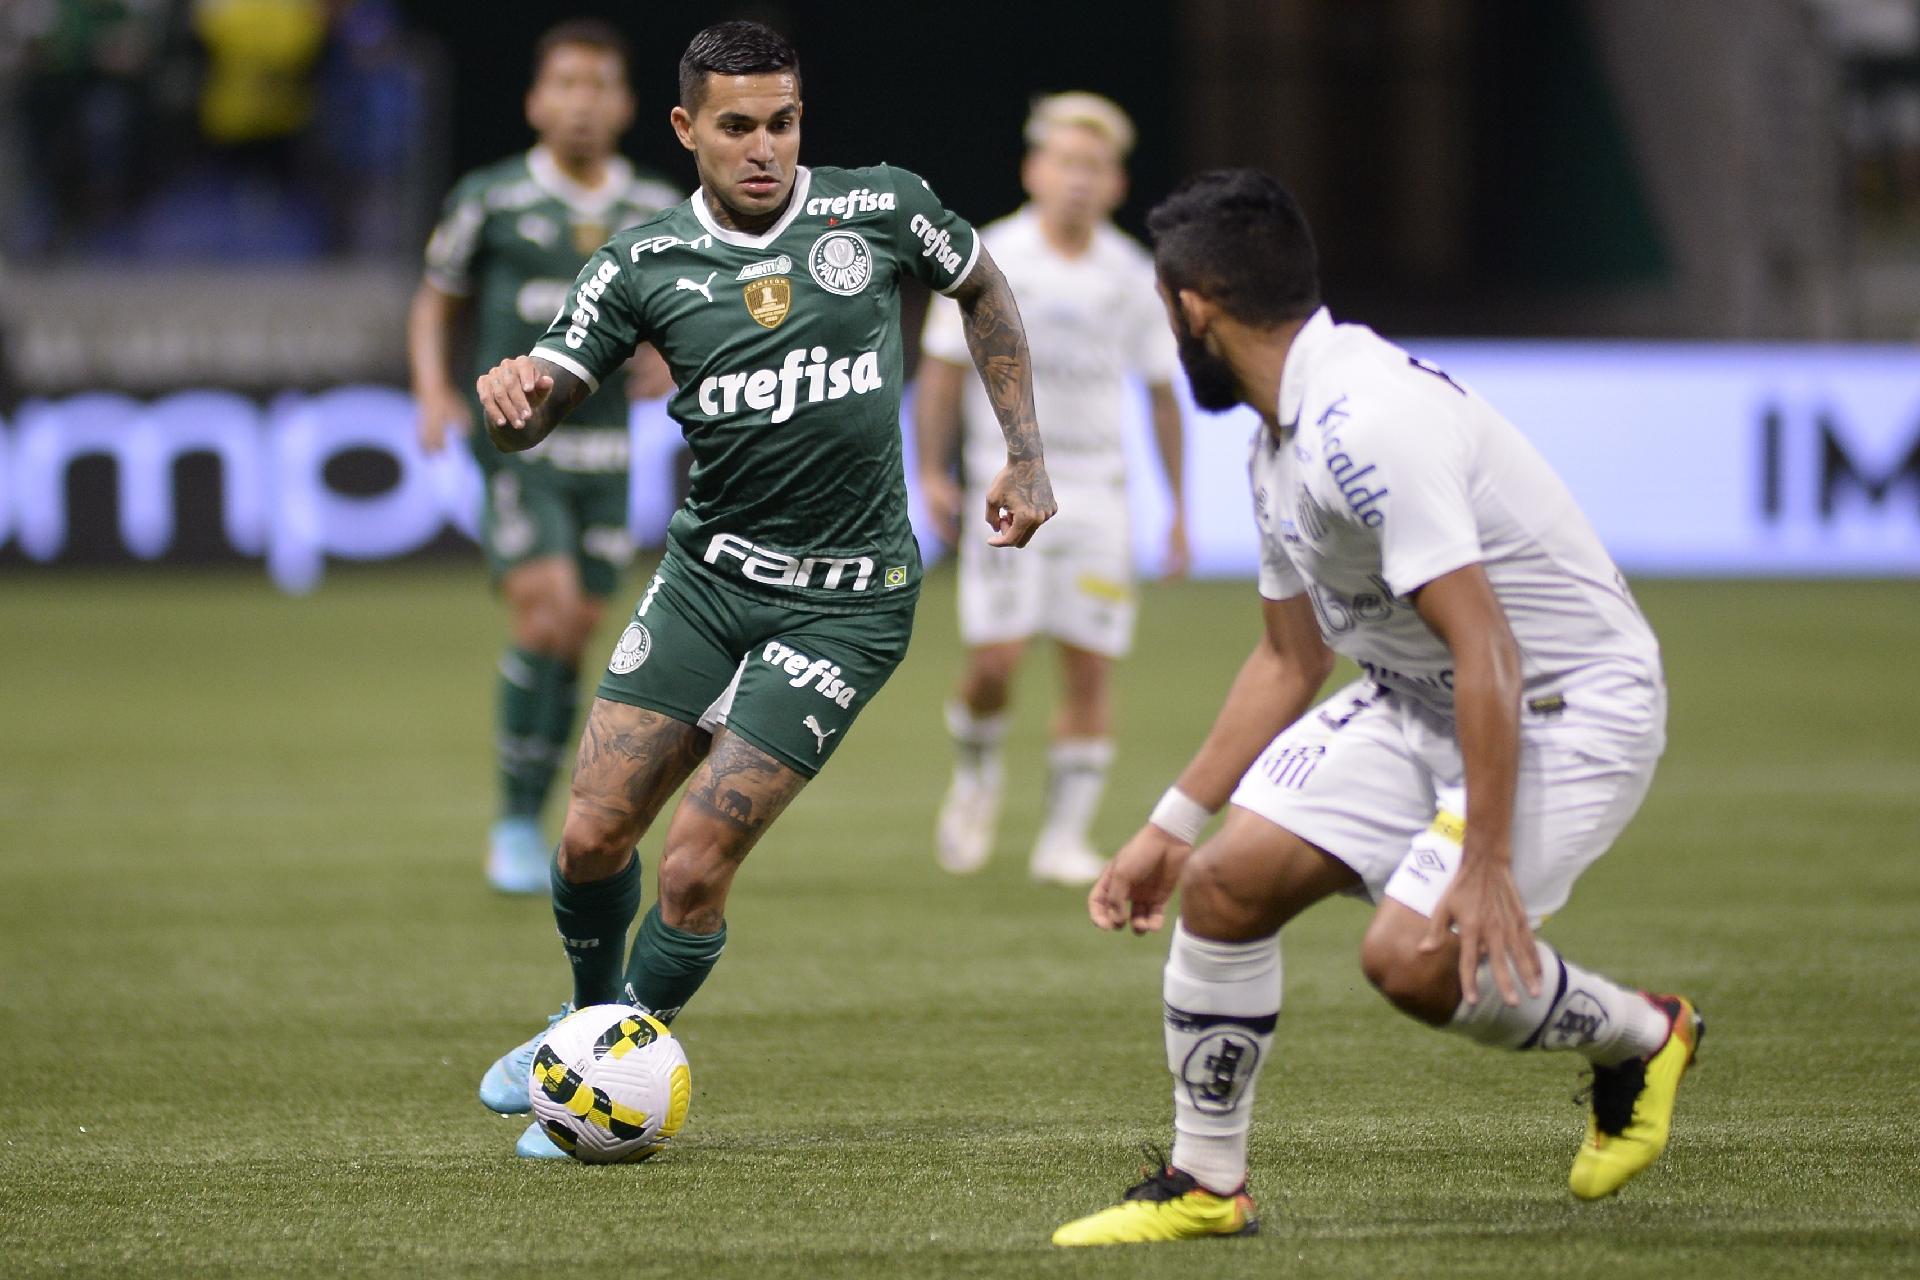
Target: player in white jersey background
1503	733
1094	327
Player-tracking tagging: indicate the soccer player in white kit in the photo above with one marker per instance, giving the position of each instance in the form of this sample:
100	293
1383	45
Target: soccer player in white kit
1086	295
1504	730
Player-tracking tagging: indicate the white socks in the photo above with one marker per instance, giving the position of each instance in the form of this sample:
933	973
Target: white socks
1575	1010
1077	775
1222	999
977	744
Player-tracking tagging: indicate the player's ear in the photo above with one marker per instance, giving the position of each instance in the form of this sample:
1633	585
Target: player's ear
1198	312
682	126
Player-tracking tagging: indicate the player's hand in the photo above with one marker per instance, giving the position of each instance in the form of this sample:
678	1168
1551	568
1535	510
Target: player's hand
1179	558
442	411
1483	905
943	498
1134	888
1019	501
512	390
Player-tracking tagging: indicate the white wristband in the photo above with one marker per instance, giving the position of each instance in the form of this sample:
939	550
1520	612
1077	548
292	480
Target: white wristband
1179	815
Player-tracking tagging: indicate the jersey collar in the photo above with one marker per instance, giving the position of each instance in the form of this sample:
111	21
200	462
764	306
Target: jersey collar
802	180
1313	335
591	201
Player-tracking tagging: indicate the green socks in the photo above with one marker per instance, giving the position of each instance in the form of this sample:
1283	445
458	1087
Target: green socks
593	920
668	964
533	727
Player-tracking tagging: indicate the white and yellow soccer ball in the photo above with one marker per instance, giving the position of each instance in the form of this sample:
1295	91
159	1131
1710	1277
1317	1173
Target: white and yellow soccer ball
610	1084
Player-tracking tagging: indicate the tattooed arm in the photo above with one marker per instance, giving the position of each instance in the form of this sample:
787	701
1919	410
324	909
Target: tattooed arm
1020	499
524	398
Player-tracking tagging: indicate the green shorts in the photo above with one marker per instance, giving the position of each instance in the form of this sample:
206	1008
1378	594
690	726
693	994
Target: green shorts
790	681
534	510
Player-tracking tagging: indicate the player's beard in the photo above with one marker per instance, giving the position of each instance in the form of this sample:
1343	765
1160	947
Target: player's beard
1209	376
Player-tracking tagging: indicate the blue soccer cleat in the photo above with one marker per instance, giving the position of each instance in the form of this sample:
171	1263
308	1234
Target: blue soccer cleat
504	1087
534	1144
517	857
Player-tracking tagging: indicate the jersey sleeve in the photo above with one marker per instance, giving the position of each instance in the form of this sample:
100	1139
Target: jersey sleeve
455	241
944	337
599	324
1149	347
933	244
1279	580
1421	459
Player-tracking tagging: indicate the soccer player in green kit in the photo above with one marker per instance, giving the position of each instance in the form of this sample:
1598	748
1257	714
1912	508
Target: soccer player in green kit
786	596
555	521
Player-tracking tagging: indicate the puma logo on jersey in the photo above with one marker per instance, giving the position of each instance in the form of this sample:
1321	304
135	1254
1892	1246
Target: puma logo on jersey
701	288
779	389
823	675
820	733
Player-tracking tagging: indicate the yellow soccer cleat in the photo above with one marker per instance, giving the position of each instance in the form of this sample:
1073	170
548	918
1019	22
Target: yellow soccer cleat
1632	1107
1166	1205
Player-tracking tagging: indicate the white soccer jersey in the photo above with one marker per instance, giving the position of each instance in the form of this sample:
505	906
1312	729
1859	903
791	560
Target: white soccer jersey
1090	321
1389	475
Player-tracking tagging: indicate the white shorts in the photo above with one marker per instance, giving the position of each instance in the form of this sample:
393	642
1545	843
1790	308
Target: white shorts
1375	779
1073	582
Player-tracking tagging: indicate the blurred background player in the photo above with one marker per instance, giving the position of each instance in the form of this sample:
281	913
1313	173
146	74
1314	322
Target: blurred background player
555	520
1086	295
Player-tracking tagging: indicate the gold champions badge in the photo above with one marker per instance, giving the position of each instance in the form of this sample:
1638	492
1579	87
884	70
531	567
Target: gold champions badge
769	300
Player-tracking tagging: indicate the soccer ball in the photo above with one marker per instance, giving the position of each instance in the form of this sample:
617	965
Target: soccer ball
610	1084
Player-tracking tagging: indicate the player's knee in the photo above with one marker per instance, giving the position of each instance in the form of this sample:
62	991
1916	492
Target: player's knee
990	674
1210	903
539	627
1413	982
694	875
590	850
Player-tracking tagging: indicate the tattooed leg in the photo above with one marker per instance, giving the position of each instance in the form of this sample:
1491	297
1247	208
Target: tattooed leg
630	761
732	799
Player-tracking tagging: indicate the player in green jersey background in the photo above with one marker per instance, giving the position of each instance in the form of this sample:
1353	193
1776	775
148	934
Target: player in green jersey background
787	592
555	520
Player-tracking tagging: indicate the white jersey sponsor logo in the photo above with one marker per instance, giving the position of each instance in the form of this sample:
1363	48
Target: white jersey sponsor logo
585	312
802	671
660	244
779	266
938	242
778	569
778	390
858	200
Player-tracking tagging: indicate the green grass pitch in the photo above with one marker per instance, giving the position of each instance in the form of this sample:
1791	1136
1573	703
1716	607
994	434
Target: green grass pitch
249	975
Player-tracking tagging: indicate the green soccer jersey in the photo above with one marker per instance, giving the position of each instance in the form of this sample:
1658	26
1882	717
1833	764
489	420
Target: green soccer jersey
785	347
512	239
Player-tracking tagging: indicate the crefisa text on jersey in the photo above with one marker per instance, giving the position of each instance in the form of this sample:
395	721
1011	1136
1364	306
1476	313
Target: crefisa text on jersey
849	375
858	200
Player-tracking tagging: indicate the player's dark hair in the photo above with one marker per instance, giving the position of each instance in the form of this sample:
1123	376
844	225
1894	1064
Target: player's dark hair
590	32
736	48
1237	237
